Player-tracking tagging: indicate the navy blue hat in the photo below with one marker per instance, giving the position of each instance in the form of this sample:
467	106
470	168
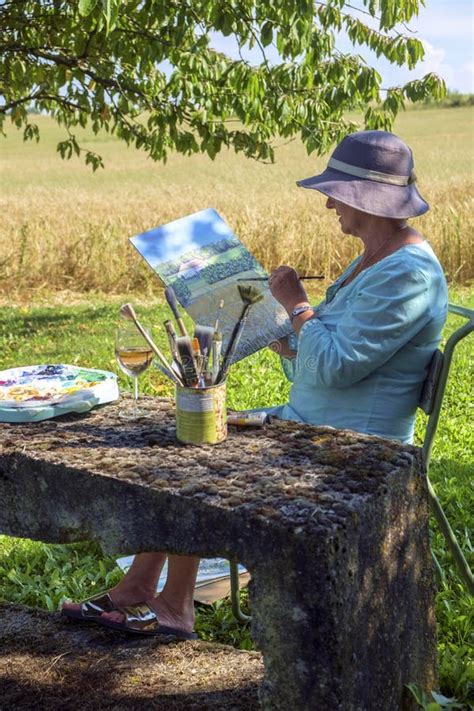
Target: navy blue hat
373	172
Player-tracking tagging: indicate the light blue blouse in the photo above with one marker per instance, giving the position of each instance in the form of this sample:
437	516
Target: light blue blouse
361	361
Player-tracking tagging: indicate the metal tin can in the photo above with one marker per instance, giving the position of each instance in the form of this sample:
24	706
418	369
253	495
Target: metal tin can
201	414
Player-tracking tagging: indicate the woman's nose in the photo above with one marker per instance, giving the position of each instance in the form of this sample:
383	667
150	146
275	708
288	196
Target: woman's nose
330	204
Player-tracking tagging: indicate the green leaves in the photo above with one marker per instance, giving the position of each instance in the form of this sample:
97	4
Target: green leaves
100	63
85	7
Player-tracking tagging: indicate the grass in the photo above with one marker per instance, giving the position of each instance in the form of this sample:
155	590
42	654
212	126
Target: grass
63	246
43	575
66	228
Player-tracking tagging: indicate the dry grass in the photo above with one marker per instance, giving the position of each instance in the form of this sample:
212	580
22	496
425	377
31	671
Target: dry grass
64	228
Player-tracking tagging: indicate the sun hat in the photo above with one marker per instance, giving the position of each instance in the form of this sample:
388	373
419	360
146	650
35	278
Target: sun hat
373	172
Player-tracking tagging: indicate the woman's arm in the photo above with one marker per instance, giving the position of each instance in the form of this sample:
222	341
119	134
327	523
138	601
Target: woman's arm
386	312
282	348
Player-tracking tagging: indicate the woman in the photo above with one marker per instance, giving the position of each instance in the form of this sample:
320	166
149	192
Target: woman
362	354
359	358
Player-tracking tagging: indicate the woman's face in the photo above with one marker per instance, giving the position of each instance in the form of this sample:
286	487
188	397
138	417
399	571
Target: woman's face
350	219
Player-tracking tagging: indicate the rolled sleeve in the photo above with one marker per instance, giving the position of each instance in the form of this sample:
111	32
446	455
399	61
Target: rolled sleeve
383	316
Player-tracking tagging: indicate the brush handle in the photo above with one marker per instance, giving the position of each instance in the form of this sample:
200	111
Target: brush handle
171	337
233	342
157	352
216	357
181	326
170	373
321	276
219	311
170	297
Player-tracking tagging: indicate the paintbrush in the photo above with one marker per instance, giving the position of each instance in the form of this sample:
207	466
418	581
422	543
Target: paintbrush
186	354
176	366
171	333
250	295
204	334
128	312
218	315
170	297
305	276
216	356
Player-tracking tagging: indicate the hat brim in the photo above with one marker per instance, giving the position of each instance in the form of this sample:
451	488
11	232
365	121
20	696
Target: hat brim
375	198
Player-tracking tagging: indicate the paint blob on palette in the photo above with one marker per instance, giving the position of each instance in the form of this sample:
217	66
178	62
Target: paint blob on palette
36	392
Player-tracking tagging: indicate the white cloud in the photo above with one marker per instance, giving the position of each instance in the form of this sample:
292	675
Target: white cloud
434	62
435	23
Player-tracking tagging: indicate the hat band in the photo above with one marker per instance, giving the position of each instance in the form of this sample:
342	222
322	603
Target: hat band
370	174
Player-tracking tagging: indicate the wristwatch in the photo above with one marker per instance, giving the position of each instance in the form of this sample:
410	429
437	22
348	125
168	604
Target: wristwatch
299	310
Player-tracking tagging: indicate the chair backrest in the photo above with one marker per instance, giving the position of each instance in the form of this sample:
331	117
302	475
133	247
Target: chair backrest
432	393
431	400
428	391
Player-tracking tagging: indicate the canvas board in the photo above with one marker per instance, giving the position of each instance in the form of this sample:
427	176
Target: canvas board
203	260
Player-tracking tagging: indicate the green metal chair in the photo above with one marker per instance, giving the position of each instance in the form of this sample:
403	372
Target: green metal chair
431	401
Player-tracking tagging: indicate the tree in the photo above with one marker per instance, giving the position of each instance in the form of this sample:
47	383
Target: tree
100	63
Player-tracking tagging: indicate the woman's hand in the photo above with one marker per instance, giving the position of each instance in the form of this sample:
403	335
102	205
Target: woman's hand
286	287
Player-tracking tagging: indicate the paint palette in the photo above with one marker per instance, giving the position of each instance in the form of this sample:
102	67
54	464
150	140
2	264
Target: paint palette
37	392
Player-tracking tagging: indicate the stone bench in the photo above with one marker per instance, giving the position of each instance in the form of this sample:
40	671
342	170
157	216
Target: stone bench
332	525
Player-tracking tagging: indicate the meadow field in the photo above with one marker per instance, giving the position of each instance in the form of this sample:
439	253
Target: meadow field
66	265
64	227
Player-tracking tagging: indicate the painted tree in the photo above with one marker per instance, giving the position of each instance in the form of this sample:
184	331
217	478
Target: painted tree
146	71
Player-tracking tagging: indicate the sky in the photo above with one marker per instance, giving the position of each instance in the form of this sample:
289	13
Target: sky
446	28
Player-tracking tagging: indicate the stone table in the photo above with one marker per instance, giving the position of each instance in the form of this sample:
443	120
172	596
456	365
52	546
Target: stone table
331	524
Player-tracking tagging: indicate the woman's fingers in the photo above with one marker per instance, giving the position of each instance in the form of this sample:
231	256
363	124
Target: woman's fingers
286	287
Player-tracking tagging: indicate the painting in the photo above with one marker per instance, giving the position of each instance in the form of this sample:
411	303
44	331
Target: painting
203	261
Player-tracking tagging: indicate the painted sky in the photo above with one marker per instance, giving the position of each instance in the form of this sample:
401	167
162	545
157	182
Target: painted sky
172	240
446	28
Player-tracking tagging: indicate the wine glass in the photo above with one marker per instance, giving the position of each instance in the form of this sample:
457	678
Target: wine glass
133	355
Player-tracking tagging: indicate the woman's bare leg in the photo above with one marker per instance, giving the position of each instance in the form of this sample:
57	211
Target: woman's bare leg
175	604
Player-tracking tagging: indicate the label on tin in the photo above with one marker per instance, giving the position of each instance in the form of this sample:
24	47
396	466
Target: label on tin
189	402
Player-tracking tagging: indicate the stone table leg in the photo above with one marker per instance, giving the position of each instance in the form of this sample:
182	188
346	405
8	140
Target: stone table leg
345	618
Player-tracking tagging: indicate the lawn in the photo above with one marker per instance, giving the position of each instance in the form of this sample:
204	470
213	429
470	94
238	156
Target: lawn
83	333
66	266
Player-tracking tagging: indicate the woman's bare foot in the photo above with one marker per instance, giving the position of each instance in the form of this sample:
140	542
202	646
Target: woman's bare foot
123	594
168	615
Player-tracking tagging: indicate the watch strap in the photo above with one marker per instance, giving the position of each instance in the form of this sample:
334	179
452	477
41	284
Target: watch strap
300	310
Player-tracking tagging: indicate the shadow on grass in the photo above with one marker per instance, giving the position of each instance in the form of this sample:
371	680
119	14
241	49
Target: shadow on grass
51	664
35	323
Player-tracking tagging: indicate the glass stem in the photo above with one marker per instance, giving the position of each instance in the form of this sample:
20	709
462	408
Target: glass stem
135	389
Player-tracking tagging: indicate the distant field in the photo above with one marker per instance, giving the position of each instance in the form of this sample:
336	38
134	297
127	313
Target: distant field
66	228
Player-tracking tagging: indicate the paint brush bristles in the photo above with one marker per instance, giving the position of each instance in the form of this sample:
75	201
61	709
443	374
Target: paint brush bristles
128	312
186	354
249	294
204	334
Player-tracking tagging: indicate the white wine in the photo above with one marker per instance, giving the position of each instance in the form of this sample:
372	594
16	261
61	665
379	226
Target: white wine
134	360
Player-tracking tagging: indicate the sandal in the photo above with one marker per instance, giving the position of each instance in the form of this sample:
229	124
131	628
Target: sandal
92	608
142	619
